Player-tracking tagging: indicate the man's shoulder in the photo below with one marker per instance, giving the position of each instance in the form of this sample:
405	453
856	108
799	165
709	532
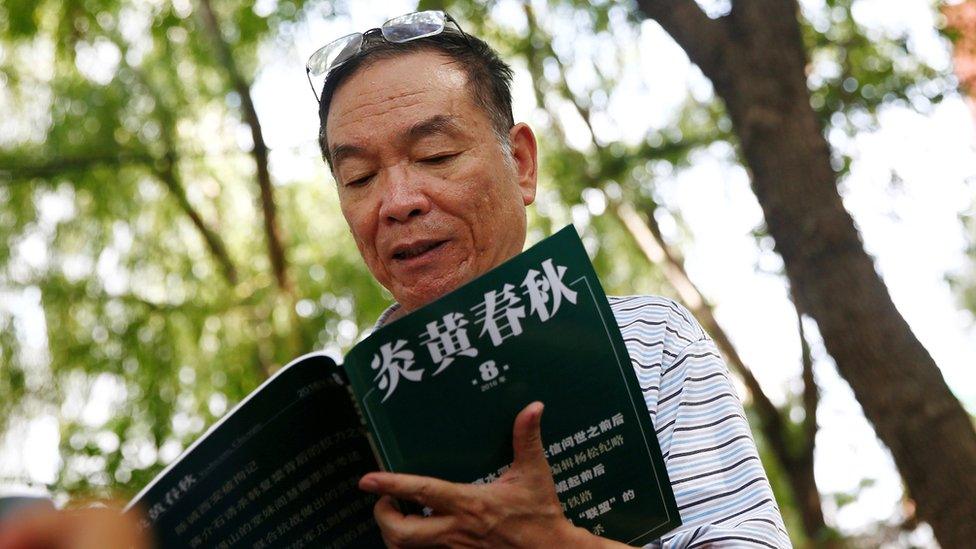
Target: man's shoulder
650	311
644	304
656	330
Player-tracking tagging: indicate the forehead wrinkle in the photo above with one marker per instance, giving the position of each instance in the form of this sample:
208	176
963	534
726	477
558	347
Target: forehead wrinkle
381	106
377	109
455	78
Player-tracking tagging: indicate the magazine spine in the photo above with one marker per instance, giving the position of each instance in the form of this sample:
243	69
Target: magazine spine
363	423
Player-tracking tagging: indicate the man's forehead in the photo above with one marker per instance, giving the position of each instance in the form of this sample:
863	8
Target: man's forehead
397	91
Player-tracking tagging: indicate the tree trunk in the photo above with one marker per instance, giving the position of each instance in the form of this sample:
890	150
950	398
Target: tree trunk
756	60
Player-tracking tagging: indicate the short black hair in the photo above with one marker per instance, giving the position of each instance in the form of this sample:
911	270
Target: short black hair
489	78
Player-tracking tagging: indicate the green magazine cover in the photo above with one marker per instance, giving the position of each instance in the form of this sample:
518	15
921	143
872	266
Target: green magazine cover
437	392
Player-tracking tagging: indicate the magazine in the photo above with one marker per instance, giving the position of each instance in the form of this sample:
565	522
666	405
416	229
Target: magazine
434	393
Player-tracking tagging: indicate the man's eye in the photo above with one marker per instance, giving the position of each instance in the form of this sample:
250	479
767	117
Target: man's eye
359	181
438	158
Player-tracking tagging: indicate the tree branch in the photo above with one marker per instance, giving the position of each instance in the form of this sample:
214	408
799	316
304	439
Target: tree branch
708	42
645	231
583	112
167	171
169	177
811	393
276	250
58	166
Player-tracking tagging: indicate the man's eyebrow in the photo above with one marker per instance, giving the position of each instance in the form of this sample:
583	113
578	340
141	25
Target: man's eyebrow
437	124
343	151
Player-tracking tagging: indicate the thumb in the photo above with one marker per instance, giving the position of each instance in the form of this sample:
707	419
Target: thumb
527	437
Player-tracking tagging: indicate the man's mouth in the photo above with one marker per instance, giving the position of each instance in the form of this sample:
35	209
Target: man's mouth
415	249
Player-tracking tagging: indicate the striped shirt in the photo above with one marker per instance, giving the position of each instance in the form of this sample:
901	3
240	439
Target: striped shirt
719	484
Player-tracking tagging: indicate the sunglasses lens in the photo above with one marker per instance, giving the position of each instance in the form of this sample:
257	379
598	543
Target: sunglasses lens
413	25
334	53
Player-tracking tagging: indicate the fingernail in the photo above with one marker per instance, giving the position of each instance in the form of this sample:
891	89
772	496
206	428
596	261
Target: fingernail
368	484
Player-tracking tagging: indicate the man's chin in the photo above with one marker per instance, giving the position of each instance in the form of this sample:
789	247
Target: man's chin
418	297
427	289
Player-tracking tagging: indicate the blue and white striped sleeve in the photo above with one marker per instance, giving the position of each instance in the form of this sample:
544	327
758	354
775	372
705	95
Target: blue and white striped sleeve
719	483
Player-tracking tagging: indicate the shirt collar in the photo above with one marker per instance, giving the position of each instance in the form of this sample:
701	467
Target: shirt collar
385	316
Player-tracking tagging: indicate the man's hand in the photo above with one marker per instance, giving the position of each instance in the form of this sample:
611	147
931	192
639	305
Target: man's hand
520	509
92	528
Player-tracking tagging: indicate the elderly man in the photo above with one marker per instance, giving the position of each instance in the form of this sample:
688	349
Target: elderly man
433	179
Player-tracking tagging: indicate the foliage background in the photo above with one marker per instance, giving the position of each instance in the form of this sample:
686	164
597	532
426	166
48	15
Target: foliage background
140	293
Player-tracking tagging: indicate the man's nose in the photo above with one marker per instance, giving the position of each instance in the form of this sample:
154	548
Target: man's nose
405	196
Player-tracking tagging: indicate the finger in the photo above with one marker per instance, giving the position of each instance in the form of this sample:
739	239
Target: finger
527	438
427	491
401	530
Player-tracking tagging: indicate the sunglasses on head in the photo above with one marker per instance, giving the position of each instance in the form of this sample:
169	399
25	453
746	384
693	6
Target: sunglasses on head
398	30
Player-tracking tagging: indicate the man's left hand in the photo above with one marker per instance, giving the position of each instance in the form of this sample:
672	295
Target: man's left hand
520	509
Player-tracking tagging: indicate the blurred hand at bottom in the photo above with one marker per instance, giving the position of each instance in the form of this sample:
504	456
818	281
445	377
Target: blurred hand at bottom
90	528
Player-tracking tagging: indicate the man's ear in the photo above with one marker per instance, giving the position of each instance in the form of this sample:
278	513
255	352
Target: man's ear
526	160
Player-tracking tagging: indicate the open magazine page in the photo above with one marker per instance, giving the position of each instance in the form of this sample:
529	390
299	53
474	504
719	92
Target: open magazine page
441	387
280	470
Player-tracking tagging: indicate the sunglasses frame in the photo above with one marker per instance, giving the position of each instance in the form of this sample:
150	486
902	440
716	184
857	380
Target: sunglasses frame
365	39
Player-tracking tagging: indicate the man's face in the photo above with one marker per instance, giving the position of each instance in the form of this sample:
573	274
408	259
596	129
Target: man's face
431	196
